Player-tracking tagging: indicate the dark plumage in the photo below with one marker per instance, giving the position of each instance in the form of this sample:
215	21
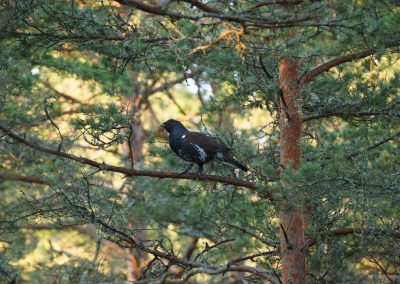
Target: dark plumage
197	148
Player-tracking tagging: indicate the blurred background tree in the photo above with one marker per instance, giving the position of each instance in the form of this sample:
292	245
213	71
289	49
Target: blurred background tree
305	92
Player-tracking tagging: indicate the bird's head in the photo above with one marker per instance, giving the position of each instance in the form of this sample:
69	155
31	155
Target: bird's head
173	125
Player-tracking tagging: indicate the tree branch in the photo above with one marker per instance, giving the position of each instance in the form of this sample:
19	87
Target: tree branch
376	145
348	231
126	171
308	76
64	95
253	256
169	84
28	179
149	8
343	114
216	14
216	269
274	2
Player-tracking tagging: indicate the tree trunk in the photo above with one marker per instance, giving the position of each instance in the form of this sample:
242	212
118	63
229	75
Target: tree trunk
291	213
134	151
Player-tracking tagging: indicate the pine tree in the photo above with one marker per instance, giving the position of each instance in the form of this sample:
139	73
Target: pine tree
305	92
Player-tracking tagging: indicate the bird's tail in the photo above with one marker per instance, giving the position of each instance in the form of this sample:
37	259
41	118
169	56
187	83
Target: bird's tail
231	160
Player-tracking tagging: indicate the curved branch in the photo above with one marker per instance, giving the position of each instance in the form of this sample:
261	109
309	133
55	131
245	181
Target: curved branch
188	263
308	76
127	171
210	12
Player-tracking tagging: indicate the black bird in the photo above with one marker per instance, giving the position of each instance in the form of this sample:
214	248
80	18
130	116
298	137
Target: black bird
197	148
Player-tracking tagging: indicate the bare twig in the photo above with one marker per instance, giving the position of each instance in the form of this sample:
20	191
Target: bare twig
253	256
383	270
171	97
264	68
208	248
55	125
263	240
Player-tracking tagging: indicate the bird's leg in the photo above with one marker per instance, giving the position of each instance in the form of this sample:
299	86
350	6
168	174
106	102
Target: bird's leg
187	168
200	172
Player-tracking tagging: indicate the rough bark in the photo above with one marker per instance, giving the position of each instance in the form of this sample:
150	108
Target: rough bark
291	214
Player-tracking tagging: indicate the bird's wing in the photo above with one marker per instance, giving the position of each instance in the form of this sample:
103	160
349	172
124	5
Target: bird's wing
208	143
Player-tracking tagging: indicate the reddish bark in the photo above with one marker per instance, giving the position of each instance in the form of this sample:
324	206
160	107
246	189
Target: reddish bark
291	214
134	150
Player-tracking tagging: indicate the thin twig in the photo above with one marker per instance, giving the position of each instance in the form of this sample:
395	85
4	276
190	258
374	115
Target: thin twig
55	125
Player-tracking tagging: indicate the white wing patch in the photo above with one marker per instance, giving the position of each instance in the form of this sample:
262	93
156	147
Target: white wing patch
220	156
183	136
202	153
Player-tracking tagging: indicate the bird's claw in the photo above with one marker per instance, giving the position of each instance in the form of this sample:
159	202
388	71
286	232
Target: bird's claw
186	169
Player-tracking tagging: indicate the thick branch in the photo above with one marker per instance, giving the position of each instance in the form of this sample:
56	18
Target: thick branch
149	8
128	172
216	14
343	59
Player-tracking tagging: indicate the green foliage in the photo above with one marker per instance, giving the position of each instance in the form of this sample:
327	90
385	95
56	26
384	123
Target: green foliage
94	79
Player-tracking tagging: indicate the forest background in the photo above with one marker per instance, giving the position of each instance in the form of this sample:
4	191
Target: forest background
306	93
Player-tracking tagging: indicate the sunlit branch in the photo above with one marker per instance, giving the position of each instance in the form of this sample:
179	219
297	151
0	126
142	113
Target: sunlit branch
171	97
343	59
